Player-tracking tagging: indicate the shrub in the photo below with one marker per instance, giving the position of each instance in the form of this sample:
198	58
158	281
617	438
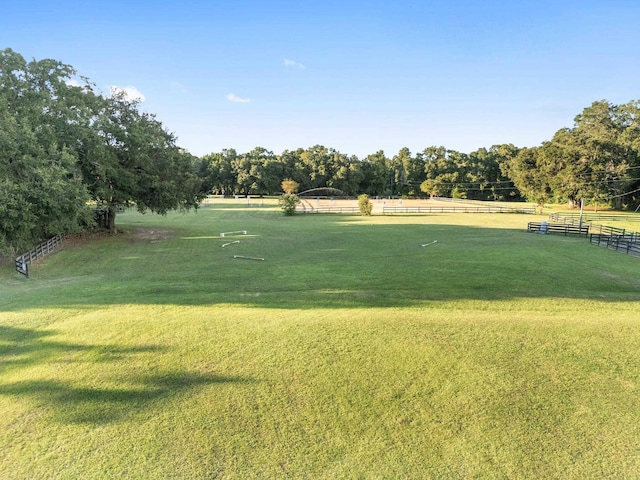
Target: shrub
365	204
288	203
457	193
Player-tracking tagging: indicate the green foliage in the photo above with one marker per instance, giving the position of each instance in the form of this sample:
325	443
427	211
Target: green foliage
62	145
458	193
594	160
141	163
477	176
364	204
430	187
377	175
217	173
42	120
288	203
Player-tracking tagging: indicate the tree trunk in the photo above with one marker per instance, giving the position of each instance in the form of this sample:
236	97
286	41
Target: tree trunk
617	203
111	220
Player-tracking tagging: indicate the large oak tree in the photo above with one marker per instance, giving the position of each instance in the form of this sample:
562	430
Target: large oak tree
596	160
138	163
62	144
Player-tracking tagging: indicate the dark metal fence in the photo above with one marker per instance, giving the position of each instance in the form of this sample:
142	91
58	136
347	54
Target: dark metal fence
563	228
615	238
629	244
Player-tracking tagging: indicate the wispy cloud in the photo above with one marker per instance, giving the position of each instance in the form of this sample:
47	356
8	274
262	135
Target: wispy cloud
292	64
179	87
232	97
130	93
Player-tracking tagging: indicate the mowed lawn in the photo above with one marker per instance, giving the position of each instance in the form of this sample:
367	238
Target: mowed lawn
349	351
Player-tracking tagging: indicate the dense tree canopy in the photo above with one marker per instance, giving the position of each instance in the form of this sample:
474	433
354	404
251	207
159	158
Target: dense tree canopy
138	163
62	145
446	172
40	180
597	160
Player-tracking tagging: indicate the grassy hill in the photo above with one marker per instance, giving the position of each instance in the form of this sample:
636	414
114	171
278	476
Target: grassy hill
350	351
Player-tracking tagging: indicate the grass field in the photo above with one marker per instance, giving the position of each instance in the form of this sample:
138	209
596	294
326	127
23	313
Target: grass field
350	351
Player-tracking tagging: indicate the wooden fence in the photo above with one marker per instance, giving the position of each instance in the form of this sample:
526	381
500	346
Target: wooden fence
40	251
592	217
615	231
422	209
329	210
458	209
488	203
563	228
618	239
615	238
629	244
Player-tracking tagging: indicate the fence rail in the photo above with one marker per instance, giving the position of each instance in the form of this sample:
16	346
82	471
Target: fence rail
41	250
591	217
486	203
608	230
565	229
458	209
625	243
618	239
614	238
329	210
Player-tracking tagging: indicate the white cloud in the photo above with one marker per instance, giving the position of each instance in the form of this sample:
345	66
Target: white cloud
232	97
293	64
130	93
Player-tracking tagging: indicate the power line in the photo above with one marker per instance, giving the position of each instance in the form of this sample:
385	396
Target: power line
622	194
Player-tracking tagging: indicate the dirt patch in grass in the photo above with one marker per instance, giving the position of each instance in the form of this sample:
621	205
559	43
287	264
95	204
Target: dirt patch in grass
134	235
137	235
81	238
151	234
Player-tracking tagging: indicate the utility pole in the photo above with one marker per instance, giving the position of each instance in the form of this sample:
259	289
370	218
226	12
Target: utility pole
580	221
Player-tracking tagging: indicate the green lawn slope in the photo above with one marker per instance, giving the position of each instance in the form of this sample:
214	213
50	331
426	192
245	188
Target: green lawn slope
350	351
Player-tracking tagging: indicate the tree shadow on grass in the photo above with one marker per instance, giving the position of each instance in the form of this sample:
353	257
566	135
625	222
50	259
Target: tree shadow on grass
24	347
75	401
68	403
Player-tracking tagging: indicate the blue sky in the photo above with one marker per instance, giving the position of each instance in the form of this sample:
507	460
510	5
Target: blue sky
358	76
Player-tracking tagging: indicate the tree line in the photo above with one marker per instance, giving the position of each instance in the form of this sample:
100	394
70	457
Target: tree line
597	160
434	171
67	151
